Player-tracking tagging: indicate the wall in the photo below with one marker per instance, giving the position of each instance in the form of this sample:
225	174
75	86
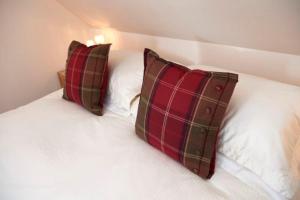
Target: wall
277	66
272	25
34	37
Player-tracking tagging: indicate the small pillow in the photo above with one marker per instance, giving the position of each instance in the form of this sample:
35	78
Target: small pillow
87	75
180	111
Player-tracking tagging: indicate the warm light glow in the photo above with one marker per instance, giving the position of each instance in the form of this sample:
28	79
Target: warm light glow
99	39
112	36
90	43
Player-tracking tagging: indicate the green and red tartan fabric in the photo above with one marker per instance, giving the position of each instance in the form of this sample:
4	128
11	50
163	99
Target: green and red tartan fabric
181	110
87	75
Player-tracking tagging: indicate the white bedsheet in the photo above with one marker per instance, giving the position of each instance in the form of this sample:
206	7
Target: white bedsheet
54	149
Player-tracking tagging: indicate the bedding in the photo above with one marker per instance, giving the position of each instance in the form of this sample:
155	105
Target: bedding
235	169
261	131
87	75
125	80
180	111
53	149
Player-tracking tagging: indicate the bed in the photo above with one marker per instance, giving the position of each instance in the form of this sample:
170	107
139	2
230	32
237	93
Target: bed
58	150
55	149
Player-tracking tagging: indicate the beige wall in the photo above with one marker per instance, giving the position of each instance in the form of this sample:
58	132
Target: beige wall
272	65
272	25
34	37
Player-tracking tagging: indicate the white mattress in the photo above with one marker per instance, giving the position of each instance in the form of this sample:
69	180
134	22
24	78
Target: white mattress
54	149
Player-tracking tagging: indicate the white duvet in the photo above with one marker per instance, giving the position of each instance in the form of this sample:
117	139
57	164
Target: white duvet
54	149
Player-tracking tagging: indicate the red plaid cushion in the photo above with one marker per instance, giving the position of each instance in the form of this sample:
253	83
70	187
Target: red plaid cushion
180	111
86	75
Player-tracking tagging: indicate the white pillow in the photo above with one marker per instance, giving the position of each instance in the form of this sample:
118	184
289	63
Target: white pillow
125	80
134	108
261	130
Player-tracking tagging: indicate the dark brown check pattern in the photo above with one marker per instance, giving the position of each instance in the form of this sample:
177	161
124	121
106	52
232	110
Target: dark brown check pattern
181	110
87	75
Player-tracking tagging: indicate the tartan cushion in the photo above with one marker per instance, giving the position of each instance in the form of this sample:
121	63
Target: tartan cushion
181	110
87	75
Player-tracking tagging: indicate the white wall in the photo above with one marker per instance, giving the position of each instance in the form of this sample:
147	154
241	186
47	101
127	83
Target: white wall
34	37
272	25
272	65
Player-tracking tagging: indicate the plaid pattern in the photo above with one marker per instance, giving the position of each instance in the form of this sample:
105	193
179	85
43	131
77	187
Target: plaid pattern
87	75
181	110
